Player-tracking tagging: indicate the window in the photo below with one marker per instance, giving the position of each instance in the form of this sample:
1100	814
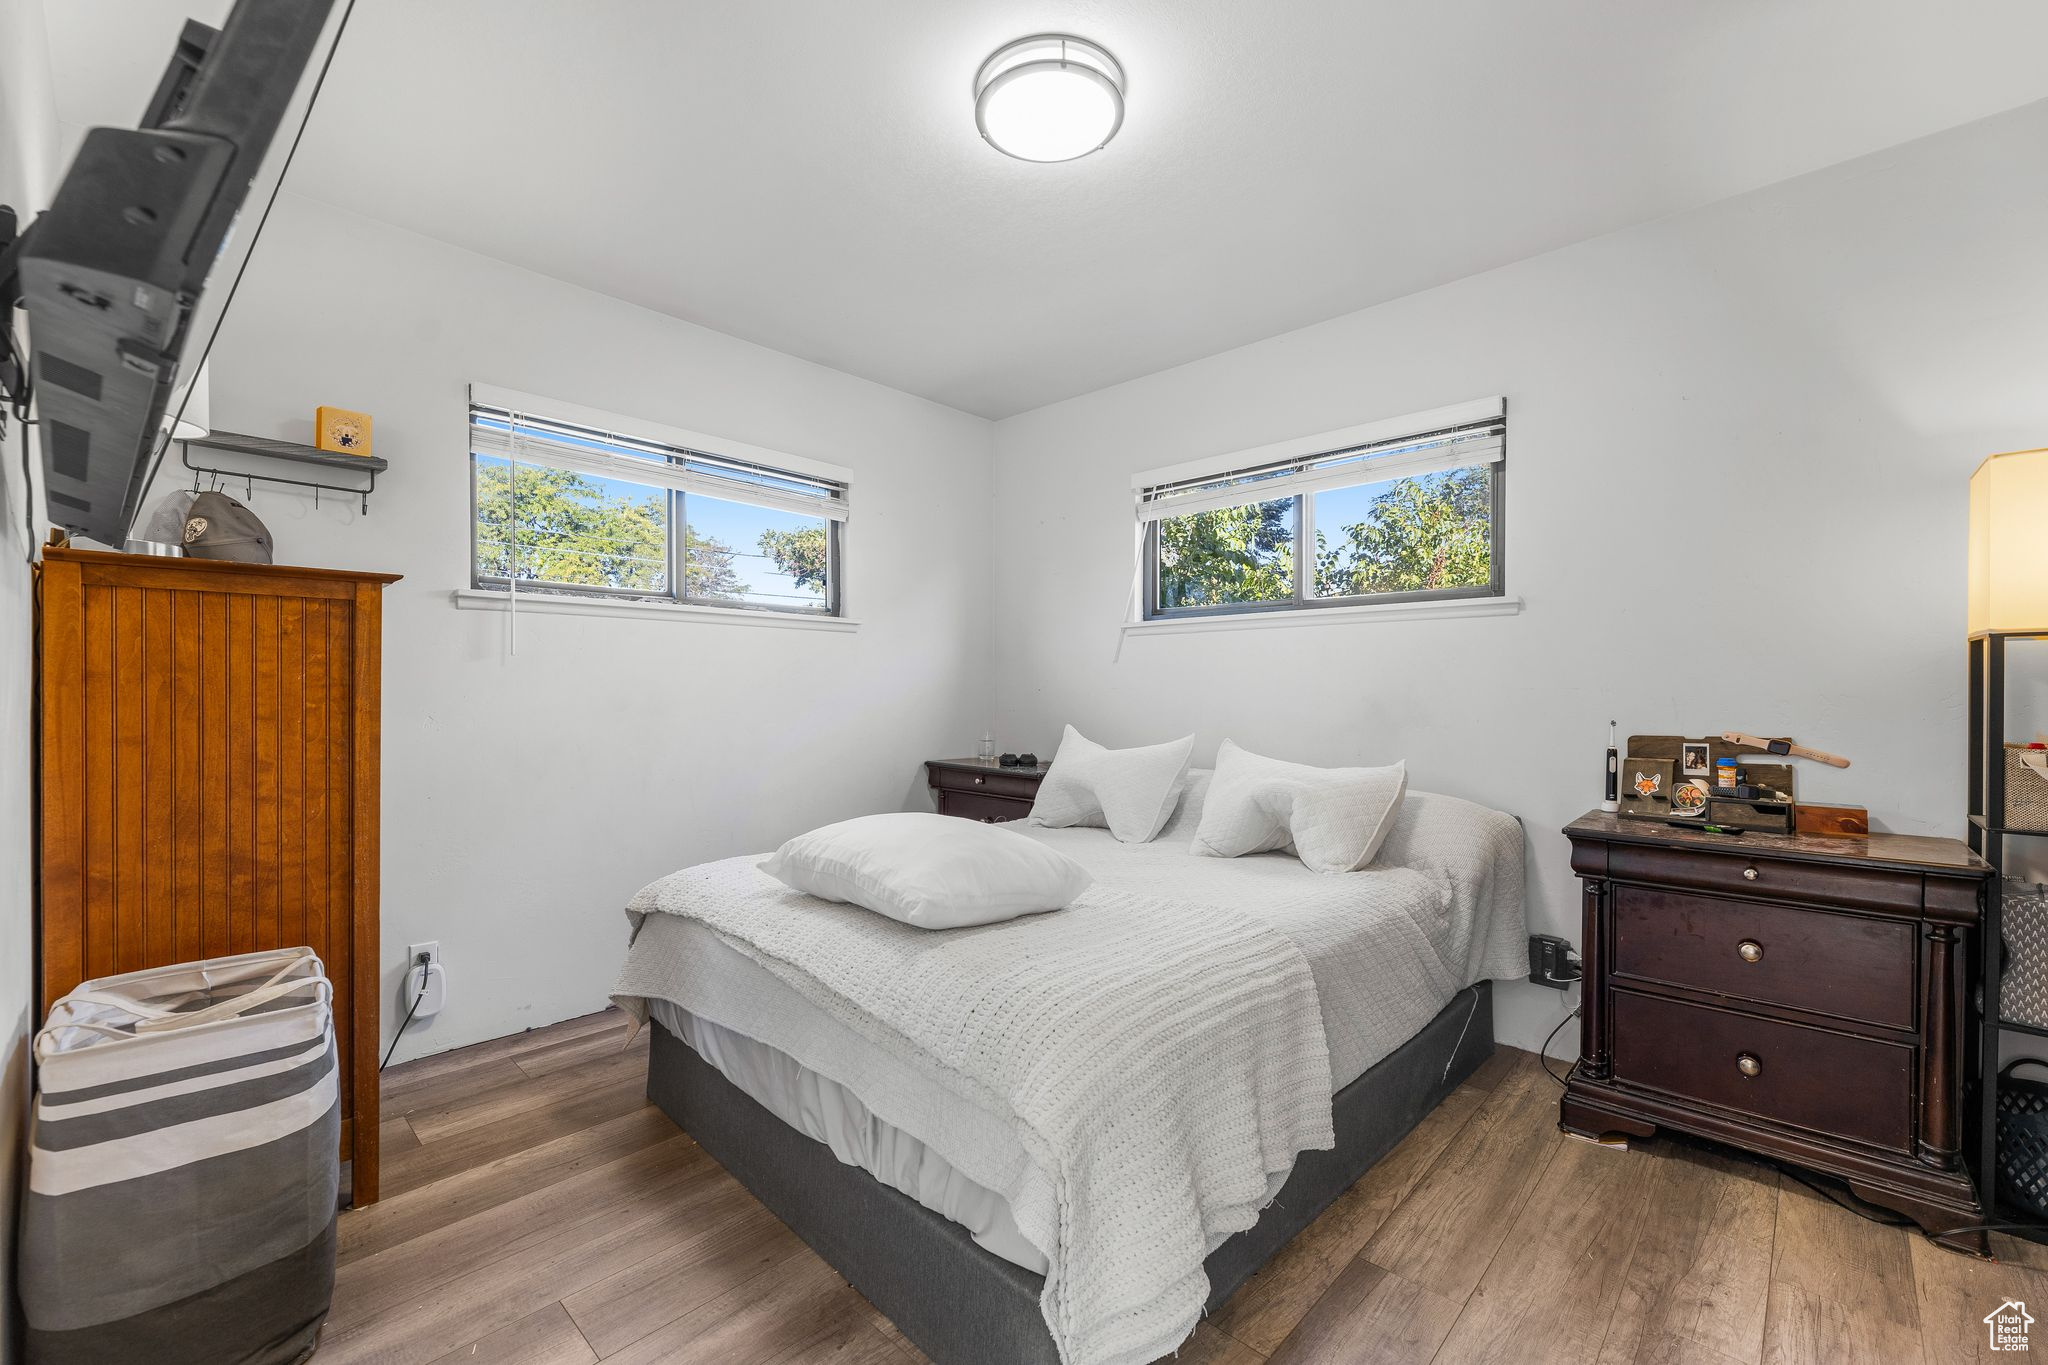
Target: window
1388	512
580	507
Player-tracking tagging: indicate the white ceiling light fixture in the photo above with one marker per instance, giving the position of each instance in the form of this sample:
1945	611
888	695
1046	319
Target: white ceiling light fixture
1049	97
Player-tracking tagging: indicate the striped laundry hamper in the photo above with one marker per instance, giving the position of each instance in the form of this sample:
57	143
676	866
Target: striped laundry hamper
184	1167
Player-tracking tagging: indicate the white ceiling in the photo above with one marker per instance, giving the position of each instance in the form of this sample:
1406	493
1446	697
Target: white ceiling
805	173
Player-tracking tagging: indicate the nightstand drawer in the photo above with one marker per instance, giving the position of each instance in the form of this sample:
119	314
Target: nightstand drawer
1844	965
1778	878
1812	1078
988	809
993	782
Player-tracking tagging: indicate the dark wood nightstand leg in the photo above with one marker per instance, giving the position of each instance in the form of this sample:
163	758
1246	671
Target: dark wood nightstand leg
1586	1116
1595	1059
1933	1218
1976	1244
1939	1145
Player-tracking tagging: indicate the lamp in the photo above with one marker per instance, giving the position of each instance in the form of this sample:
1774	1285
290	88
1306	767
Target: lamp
1049	97
193	420
2009	543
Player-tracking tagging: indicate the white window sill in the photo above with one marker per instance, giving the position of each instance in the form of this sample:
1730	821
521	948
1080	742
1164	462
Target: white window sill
1329	616
566	604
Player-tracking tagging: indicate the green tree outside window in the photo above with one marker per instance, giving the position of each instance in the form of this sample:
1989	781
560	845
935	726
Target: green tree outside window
571	529
1426	533
1422	534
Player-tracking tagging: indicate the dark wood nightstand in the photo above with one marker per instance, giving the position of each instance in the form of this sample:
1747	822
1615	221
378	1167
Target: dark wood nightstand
1798	996
984	791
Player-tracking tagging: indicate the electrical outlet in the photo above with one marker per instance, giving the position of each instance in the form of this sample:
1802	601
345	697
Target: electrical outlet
425	992
1552	962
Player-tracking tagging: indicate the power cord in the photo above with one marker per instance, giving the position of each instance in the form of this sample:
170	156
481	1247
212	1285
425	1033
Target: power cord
1874	1213
1838	1193
28	491
18	402
423	962
1844	1197
1543	1053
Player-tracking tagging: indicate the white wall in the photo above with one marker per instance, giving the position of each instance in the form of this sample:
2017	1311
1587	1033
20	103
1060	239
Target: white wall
28	153
1814	368
526	798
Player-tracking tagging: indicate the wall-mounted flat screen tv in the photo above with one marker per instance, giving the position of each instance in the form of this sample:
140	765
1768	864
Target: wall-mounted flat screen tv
125	277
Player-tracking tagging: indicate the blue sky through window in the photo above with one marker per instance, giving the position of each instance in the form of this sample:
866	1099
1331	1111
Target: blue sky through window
739	526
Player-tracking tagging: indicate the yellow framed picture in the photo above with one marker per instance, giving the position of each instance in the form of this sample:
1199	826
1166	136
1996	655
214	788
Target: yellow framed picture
341	431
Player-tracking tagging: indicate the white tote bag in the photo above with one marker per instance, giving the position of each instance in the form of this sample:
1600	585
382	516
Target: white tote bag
183	1166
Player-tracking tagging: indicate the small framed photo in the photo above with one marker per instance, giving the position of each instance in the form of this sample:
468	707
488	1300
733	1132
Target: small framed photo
1693	760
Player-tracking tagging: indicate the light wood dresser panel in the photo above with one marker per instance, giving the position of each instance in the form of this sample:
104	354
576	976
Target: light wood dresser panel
209	781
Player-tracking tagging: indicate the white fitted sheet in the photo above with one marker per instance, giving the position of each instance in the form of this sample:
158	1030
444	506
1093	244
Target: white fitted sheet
826	1111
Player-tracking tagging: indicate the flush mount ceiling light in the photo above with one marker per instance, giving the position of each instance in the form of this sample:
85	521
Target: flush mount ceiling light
1049	97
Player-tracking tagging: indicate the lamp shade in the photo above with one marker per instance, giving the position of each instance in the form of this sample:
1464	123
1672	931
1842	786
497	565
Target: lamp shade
189	407
2009	543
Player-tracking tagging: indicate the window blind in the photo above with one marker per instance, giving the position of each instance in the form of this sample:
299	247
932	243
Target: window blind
527	439
1446	439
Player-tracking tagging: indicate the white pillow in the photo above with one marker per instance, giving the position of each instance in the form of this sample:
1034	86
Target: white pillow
1130	791
933	871
1333	819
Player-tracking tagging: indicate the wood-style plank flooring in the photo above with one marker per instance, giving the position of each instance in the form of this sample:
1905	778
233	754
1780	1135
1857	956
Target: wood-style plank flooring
538	1211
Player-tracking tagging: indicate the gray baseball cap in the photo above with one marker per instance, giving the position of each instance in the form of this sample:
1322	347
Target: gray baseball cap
218	527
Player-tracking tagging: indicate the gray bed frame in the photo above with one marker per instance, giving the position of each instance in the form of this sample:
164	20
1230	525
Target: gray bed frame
962	1305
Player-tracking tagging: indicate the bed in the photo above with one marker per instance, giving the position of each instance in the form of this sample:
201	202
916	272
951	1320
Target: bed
917	1187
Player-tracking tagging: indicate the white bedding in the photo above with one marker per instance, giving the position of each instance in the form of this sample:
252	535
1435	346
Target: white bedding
1440	909
825	1111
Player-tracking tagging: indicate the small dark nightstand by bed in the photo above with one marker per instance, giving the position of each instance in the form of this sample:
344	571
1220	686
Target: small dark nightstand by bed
1798	996
984	791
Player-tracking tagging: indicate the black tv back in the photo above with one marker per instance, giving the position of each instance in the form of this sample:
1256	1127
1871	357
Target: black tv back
112	275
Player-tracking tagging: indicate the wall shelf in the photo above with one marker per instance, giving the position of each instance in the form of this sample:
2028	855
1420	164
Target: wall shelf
268	448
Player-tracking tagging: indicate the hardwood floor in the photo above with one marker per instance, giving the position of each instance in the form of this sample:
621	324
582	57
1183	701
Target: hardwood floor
538	1211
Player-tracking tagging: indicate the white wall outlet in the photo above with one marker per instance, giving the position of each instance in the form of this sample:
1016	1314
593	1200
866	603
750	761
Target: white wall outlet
425	995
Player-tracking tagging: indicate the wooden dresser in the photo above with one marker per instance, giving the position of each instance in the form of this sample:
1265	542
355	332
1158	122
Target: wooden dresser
1798	996
209	781
983	791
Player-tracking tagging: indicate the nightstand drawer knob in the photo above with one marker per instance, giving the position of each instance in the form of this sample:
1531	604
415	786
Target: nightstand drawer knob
1749	874
1750	950
979	781
1748	1065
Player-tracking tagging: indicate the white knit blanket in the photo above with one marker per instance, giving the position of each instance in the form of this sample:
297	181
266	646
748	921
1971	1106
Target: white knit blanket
1161	1062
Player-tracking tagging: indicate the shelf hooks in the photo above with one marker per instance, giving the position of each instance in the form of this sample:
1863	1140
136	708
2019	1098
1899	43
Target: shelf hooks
265	448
